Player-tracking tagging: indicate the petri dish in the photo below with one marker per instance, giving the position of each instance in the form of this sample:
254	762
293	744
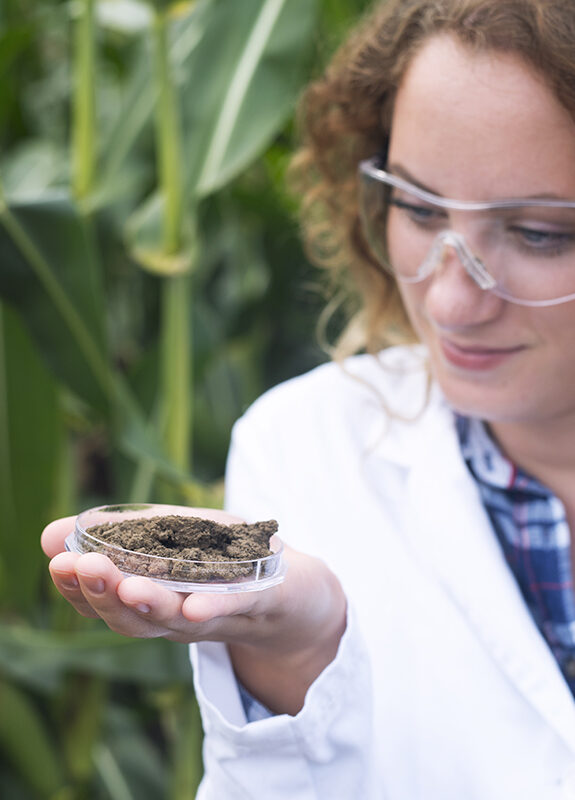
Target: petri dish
179	574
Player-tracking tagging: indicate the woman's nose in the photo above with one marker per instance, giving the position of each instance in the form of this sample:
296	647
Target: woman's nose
454	298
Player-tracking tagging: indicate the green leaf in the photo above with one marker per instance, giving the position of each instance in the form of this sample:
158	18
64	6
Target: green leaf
43	659
87	701
49	275
146	233
235	103
26	743
128	765
134	114
34	167
187	766
238	84
123	16
31	435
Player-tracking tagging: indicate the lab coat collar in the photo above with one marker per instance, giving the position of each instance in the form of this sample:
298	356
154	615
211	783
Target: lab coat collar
451	532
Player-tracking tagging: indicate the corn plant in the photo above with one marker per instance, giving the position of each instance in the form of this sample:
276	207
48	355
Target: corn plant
138	317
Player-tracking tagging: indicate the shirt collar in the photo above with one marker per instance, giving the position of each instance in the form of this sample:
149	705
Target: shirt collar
483	455
488	463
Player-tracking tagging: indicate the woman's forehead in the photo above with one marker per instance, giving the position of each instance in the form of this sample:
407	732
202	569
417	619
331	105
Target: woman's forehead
481	117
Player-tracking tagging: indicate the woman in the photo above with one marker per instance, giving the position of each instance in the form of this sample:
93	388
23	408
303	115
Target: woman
423	642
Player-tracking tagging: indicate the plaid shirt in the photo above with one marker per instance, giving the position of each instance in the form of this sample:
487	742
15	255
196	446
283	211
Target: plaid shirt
533	531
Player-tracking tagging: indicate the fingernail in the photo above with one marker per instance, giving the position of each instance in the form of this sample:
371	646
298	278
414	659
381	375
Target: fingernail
143	608
94	585
66	581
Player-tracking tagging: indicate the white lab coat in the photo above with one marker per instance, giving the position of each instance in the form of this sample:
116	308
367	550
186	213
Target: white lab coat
443	688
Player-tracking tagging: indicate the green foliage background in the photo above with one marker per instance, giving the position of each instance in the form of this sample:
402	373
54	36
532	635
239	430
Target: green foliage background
152	285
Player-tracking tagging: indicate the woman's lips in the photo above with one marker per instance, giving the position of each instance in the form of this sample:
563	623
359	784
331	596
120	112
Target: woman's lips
476	357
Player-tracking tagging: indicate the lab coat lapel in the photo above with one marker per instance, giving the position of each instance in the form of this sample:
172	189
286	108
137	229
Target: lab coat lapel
452	534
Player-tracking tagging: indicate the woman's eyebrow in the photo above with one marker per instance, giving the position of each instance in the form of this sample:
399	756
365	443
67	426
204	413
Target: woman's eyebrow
402	172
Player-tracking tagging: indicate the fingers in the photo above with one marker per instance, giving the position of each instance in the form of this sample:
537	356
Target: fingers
54	535
142	617
204	607
134	607
63	573
161	605
89	582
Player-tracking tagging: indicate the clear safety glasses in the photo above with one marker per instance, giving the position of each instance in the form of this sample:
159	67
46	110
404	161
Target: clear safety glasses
523	250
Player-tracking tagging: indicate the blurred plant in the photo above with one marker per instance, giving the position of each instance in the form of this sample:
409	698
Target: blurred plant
151	286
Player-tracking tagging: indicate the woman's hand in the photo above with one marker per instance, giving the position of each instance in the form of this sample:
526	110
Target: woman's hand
280	639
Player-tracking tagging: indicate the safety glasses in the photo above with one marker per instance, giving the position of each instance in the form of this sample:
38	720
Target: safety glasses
522	250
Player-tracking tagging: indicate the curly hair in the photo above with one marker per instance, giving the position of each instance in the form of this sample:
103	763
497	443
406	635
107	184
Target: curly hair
346	115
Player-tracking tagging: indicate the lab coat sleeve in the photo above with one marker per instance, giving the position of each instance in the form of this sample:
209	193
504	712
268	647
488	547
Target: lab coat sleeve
323	751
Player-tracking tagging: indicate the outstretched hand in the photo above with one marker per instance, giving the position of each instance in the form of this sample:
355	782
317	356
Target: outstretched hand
293	628
133	606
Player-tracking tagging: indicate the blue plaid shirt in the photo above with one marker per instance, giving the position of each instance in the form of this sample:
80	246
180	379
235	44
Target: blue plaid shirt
532	528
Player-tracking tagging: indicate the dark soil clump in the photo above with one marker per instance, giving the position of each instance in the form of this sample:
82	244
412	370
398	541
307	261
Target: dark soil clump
183	540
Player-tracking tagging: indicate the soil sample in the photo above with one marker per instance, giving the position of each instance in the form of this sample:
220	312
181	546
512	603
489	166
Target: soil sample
187	548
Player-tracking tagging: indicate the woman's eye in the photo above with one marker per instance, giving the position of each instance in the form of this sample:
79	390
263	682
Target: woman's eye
545	241
417	212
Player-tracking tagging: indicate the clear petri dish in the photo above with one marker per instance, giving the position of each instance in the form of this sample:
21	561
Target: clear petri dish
179	574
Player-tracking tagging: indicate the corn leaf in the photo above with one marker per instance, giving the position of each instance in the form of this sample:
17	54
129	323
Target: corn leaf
26	744
48	274
43	659
31	436
237	85
128	764
235	102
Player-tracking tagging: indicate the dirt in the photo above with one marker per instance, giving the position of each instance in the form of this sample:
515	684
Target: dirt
174	541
